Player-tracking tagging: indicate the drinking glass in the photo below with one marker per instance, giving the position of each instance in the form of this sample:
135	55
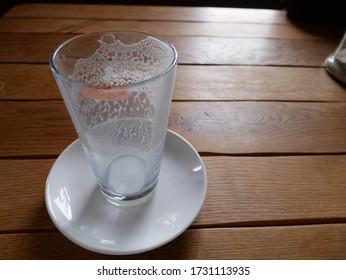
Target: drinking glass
336	62
117	87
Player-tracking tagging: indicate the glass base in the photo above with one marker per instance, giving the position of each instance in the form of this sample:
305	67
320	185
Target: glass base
130	200
335	68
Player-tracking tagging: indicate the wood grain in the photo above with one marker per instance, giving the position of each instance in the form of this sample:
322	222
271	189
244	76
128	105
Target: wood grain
22	202
29	48
251	95
33	25
274	190
37	128
44	128
242	191
255	83
173	28
217	29
133	12
252	51
27	82
37	48
262	127
294	242
195	83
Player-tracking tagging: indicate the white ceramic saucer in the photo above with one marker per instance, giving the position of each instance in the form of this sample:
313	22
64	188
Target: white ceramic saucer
82	213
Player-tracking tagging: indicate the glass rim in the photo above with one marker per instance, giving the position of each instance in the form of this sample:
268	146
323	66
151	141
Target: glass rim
65	78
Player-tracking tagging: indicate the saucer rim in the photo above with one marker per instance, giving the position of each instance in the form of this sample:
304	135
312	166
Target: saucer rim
70	236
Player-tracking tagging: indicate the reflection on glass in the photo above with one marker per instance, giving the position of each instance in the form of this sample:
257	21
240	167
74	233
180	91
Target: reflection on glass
198	168
336	62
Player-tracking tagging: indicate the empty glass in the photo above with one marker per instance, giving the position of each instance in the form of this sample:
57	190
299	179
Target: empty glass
117	87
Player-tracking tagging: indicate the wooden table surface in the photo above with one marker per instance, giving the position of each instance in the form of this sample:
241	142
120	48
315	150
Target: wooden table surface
251	95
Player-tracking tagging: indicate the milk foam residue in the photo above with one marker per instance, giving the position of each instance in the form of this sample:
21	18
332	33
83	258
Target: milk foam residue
115	63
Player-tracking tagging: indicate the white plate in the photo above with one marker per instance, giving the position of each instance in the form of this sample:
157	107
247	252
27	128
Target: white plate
81	212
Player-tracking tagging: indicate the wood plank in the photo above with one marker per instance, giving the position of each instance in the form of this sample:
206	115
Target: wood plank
255	83
44	128
216	29
173	28
36	128
262	203
270	190
262	127
27	82
29	48
241	191
36	82
33	25
22	206
294	242
252	51
37	48
133	12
